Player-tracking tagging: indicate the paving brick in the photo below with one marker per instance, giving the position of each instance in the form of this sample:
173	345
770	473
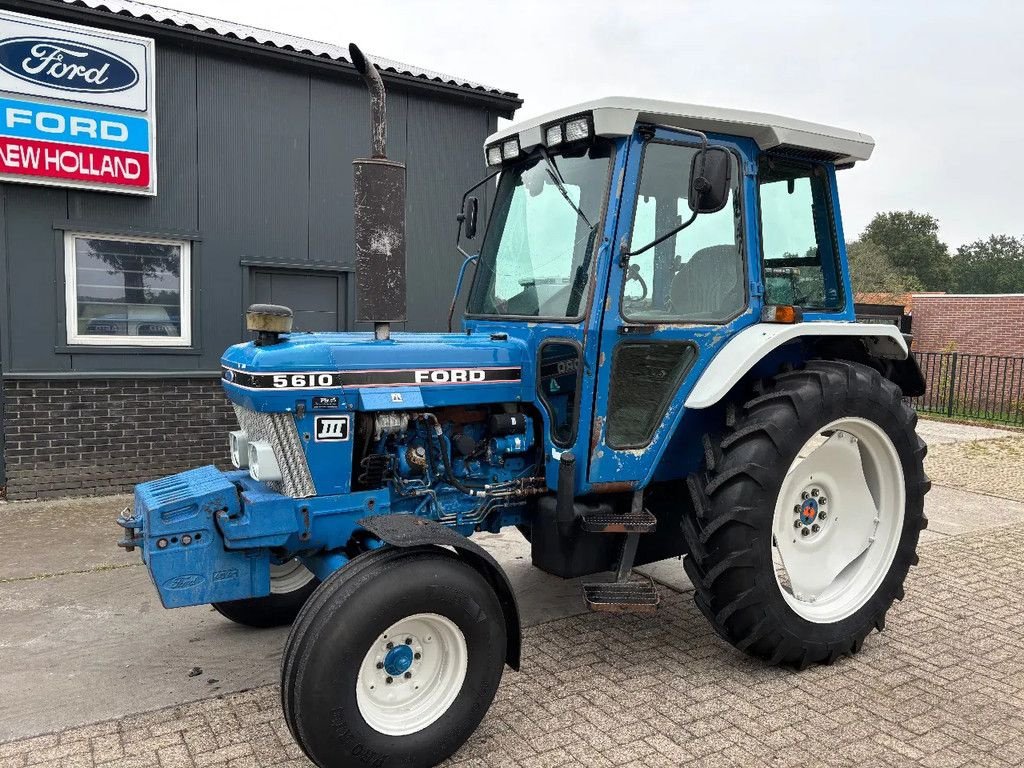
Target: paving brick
942	687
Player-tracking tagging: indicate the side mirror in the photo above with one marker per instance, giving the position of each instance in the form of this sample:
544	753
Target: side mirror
469	217
710	177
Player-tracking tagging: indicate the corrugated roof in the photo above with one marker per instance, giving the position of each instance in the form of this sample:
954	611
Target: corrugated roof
280	40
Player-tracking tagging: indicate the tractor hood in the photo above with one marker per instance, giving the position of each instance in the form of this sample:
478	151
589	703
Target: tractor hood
410	370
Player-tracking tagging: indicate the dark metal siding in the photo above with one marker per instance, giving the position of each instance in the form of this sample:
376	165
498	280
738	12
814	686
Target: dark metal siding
254	162
445	159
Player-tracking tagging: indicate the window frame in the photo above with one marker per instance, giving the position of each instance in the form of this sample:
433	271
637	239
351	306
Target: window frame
814	167
741	232
74	338
600	225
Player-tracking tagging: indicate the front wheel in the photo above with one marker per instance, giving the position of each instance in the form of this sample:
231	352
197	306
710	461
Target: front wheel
395	660
808	513
291	585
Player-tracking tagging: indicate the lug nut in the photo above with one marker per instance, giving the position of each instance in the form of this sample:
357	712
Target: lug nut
815	528
797	509
389	680
815	492
379	665
416	655
408	675
805	495
805	532
408	641
822	515
797	524
390	645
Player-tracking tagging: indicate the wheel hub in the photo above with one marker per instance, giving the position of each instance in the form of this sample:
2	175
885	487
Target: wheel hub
811	511
398	660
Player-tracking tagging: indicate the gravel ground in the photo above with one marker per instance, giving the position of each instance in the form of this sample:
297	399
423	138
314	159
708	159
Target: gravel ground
993	467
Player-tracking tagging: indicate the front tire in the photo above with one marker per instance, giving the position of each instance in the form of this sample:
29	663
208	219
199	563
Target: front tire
808	511
291	585
395	660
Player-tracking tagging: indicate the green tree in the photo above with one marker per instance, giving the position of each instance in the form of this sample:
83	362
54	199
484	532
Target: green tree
871	270
995	265
910	241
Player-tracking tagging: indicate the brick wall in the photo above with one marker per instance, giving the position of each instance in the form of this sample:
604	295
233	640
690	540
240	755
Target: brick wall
95	436
984	325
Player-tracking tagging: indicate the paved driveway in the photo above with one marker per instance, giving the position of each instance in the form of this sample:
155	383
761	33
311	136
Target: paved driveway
943	685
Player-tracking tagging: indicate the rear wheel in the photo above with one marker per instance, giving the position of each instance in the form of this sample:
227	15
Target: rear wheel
395	660
291	584
808	513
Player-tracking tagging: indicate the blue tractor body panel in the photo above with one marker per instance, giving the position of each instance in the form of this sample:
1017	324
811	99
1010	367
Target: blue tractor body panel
183	546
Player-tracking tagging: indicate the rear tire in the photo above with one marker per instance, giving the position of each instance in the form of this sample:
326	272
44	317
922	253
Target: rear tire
291	585
733	537
346	694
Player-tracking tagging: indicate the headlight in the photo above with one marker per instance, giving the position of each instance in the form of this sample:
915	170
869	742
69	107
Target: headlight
510	149
577	129
263	465
239	442
569	131
553	135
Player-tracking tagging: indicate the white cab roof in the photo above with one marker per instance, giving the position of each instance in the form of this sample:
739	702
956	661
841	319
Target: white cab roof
618	116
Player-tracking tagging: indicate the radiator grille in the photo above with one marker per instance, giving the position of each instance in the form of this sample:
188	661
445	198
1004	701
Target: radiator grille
279	430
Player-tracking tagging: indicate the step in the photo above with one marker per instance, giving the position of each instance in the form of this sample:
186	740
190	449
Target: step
641	521
622	596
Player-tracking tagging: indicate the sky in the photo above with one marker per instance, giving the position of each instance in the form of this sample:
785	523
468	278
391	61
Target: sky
938	84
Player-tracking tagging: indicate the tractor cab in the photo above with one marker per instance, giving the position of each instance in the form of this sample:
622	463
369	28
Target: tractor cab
630	240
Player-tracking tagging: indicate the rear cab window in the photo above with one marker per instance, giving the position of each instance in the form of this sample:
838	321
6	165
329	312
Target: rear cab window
798	243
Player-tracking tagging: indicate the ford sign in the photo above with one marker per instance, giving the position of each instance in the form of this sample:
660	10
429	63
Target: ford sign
66	65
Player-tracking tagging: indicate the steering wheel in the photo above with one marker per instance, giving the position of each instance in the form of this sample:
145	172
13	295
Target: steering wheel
633	273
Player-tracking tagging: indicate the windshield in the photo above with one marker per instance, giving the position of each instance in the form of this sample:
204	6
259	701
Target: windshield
536	256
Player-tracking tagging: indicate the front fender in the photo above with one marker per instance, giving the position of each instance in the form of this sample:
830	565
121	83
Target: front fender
748	347
413	531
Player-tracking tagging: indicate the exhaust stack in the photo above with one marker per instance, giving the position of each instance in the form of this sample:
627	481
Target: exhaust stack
379	217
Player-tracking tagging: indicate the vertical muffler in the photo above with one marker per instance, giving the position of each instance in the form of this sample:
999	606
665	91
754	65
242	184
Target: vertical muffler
379	217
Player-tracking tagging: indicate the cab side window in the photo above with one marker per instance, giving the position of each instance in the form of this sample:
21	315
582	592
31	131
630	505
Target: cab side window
697	275
797	236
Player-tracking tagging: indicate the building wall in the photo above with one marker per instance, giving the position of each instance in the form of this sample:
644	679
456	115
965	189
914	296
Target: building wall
80	437
254	164
976	324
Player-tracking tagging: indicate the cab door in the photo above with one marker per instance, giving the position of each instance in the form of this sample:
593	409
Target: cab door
670	306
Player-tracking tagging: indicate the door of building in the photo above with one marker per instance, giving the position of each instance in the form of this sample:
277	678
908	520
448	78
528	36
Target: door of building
317	299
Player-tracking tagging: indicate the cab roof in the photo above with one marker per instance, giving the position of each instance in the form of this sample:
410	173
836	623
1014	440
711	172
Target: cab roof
619	115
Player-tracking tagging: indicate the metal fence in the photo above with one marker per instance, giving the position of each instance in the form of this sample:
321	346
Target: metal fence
966	386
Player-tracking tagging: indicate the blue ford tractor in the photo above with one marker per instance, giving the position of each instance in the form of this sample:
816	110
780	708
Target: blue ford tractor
658	358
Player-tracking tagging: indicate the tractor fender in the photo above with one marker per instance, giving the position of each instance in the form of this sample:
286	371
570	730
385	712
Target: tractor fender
414	531
748	347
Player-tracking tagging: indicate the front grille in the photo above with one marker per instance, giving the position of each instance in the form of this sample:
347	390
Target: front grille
279	430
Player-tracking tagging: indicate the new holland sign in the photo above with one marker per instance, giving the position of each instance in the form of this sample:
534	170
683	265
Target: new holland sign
76	106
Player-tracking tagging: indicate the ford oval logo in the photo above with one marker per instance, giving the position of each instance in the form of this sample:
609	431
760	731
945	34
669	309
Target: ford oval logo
185	581
67	65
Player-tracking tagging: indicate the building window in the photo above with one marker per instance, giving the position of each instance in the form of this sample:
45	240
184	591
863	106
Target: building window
127	291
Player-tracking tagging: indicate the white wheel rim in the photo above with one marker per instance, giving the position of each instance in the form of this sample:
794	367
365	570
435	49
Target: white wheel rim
831	557
288	577
412	673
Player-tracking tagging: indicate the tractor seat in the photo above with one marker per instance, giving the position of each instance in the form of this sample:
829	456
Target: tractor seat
710	285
